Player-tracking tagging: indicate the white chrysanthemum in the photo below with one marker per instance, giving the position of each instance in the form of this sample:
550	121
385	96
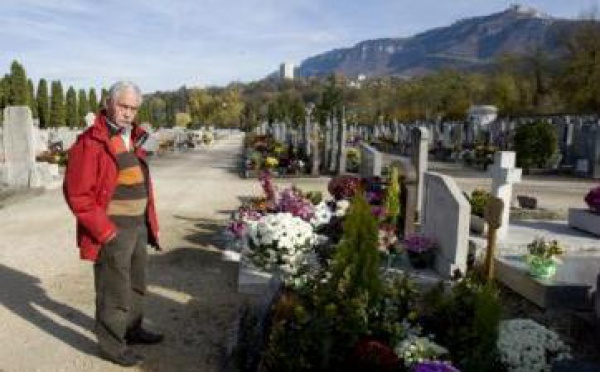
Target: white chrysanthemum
341	207
525	345
322	214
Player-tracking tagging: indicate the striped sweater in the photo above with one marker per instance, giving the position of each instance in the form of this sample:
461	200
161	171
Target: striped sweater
127	207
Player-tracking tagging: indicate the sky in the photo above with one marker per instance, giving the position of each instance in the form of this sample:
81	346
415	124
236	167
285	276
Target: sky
163	45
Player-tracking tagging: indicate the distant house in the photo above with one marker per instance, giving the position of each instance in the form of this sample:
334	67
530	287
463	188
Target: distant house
482	115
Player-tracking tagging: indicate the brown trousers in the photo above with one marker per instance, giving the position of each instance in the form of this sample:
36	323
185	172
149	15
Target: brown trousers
120	281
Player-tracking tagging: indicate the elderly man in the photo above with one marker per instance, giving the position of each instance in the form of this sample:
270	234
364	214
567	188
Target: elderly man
108	188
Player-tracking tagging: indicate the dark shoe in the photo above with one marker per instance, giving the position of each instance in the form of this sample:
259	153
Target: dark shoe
126	359
142	336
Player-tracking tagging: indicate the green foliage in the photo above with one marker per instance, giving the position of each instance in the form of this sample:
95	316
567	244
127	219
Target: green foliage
43	103
579	82
541	248
478	200
93	100
465	321
82	105
31	98
71	108
57	105
397	304
18	90
535	144
356	262
392	197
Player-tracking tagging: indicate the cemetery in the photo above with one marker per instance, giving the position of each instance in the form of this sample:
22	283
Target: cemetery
383	269
426	203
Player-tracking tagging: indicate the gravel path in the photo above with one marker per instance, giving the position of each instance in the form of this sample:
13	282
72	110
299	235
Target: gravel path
46	311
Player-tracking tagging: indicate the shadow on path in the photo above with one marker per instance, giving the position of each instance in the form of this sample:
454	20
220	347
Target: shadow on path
24	298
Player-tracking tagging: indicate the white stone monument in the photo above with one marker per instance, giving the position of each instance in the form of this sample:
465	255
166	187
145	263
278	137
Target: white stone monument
19	146
446	214
504	175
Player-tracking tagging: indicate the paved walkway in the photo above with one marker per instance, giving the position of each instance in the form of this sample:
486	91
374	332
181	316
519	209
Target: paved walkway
46	300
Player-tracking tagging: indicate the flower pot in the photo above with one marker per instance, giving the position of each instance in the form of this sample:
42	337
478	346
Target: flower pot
542	268
478	225
421	260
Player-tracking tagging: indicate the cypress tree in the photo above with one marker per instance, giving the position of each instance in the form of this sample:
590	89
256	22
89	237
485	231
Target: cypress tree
4	90
103	96
43	105
57	105
18	85
31	95
71	108
93	100
83	107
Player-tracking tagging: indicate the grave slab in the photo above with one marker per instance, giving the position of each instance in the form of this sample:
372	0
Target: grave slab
584	220
568	289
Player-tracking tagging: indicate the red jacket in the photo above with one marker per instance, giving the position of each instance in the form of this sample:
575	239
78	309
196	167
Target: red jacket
90	180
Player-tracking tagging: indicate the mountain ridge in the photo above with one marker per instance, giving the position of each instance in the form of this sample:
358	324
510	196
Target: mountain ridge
467	43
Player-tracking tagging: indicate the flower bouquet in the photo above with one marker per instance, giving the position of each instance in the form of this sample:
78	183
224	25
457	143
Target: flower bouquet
343	187
592	199
420	250
281	243
542	257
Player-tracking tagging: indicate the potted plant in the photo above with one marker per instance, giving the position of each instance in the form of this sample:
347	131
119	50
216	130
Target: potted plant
420	250
478	201
542	257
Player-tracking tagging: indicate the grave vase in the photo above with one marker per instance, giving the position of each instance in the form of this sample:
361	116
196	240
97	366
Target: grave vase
541	268
420	260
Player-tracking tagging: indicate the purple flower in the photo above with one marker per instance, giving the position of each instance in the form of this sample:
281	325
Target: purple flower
291	201
419	243
378	211
434	366
238	229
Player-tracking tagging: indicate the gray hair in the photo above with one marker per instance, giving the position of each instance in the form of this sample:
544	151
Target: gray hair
117	88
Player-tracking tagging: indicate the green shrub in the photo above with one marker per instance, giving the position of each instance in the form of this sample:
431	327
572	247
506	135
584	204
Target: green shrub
535	144
466	321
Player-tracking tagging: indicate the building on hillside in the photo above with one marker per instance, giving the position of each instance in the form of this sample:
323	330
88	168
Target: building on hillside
286	71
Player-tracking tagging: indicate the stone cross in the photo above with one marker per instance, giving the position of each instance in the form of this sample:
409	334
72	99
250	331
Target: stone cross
504	175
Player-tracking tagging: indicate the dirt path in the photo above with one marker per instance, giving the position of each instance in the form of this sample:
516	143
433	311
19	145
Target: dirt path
46	294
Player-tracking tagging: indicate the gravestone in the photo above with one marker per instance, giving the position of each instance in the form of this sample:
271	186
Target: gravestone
327	146
446	213
90	118
420	151
341	156
333	159
307	133
314	143
504	175
19	146
408	194
370	161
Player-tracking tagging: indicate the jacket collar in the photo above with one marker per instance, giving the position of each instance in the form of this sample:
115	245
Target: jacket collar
101	131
